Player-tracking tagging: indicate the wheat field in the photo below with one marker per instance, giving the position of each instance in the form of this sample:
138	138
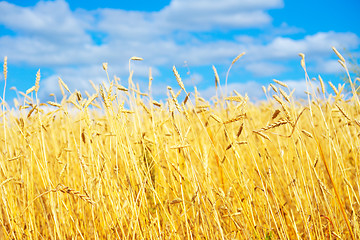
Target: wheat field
119	165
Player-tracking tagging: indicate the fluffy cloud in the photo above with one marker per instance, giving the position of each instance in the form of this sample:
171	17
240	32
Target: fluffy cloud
330	66
193	80
53	21
204	15
51	34
265	68
318	45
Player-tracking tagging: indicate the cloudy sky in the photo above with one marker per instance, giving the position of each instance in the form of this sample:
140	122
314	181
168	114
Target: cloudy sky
71	40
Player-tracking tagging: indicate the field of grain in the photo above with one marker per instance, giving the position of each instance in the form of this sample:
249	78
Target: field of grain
119	165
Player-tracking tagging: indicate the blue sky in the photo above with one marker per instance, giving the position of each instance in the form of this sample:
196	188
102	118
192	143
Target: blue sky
71	40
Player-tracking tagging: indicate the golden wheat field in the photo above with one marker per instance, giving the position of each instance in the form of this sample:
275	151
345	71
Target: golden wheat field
119	165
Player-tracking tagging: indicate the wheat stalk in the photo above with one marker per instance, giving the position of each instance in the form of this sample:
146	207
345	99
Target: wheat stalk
30	90
61	82
302	61
74	192
262	135
90	100
147	110
308	134
338	54
284	107
174	99
273	125
217	79
334	88
235	119
283	93
3	99
273	87
235	98
156	103
54	104
37	82
216	118
178	79
232	63
185	112
264	89
281	83
343	112
322	85
5	71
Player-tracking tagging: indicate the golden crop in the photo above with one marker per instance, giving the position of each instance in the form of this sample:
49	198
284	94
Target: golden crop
119	165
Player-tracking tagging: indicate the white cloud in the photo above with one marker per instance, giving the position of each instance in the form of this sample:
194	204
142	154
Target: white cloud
52	20
246	39
265	68
194	79
51	34
285	29
184	15
318	45
330	67
130	25
39	51
204	15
